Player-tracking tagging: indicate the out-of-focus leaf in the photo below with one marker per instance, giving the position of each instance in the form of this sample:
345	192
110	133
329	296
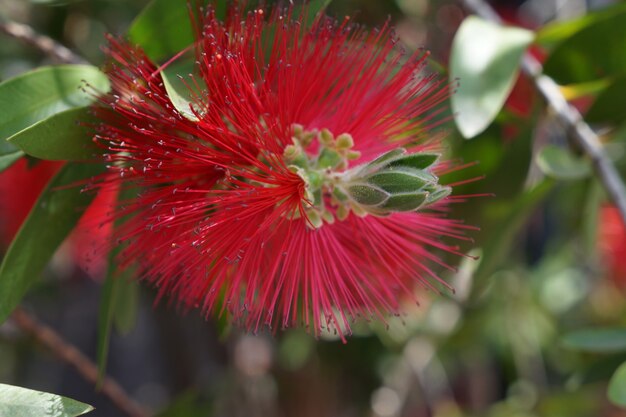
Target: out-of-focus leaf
597	340
592	88
596	51
127	302
499	245
556	32
36	95
61	137
485	59
560	163
8	154
22	402
53	216
617	387
163	28
609	105
118	303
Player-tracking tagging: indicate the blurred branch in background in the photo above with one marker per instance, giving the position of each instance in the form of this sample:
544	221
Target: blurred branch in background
45	44
579	132
70	355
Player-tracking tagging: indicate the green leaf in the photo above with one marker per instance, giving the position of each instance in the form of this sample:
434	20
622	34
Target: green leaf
597	340
400	181
127	303
163	28
485	58
554	33
22	402
587	55
9	154
36	95
62	137
609	105
119	298
367	195
394	153
178	100
439	194
404	202
588	89
55	213
617	387
560	163
417	160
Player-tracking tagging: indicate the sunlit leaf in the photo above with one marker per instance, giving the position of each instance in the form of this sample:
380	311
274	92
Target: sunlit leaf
597	340
181	103
617	387
591	88
53	216
61	137
22	402
560	163
485	59
36	95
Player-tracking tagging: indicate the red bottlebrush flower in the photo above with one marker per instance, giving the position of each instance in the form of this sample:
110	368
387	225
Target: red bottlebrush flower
20	185
268	198
612	244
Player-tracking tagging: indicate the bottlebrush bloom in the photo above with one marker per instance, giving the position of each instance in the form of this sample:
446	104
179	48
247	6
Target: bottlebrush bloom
612	244
300	186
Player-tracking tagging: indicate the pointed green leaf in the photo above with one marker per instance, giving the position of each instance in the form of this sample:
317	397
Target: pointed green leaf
22	402
485	58
617	387
387	156
439	194
367	194
417	160
36	95
404	181
53	216
178	100
404	202
62	137
559	163
115	305
597	340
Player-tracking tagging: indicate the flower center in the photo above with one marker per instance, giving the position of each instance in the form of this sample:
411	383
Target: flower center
396	181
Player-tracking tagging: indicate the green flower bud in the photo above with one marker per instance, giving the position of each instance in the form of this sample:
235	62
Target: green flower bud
344	141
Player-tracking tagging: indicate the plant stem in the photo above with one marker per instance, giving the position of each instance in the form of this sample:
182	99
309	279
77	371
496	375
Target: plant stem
578	131
45	44
72	356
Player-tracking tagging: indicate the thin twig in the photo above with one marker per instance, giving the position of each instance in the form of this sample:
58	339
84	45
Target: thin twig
71	355
45	44
578	131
